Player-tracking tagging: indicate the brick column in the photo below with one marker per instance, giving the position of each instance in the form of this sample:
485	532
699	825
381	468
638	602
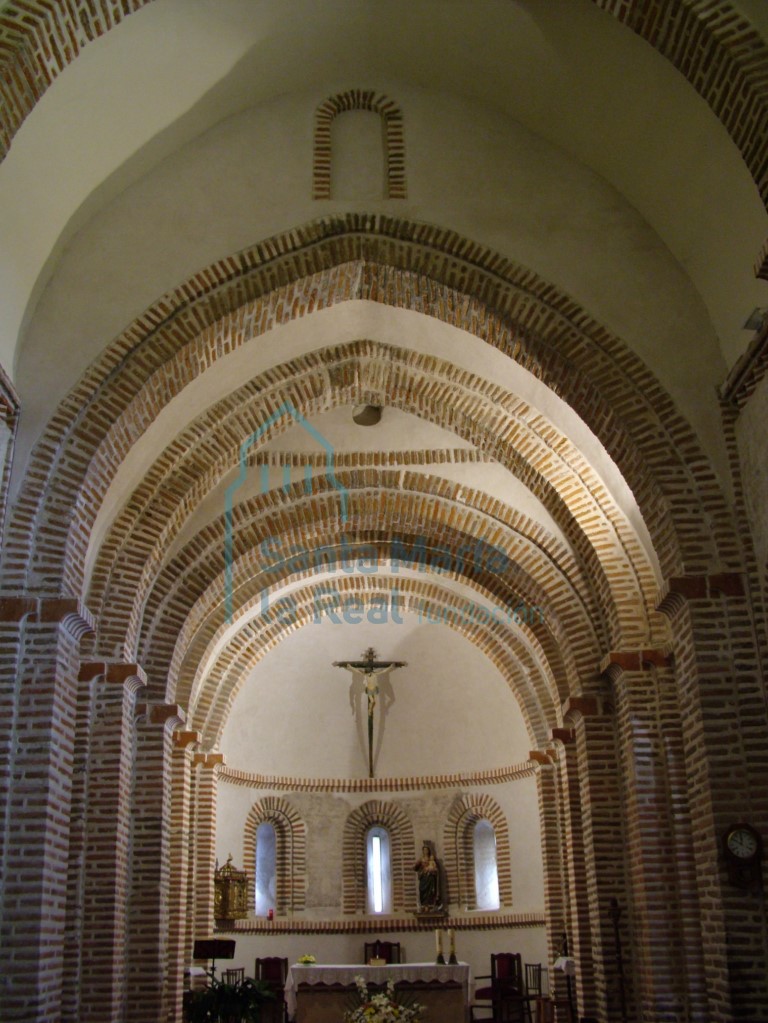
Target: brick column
150	883
39	640
181	898
663	909
106	858
597	769
723	711
578	926
206	781
549	786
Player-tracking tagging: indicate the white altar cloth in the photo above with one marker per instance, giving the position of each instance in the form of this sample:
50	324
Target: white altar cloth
346	974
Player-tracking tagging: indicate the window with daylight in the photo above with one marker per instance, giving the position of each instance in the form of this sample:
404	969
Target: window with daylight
266	869
379	888
486	870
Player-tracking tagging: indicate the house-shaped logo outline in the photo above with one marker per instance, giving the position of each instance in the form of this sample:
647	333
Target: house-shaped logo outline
287	408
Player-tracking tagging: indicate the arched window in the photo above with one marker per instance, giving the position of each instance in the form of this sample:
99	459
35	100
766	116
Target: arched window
486	870
266	868
379	884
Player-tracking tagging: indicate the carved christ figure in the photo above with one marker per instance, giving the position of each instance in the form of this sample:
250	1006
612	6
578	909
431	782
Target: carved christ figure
371	671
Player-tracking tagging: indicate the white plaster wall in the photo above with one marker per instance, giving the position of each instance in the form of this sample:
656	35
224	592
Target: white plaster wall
451	709
468	168
568	71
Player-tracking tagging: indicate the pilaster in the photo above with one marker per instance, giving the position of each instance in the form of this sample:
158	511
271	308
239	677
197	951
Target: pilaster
592	720
663	907
107	832
182	868
206	767
150	883
724	723
39	640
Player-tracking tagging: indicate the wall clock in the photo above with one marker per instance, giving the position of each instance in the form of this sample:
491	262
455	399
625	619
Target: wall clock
743	848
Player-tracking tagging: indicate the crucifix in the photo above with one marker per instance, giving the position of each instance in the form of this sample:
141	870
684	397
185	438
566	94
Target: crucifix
371	670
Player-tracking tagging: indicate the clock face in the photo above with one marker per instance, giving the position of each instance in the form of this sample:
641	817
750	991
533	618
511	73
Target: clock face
742	842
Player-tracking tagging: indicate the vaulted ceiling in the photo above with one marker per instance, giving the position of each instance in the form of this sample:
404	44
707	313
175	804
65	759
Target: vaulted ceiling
544	319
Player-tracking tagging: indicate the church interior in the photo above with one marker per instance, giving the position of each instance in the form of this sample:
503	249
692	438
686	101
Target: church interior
383	465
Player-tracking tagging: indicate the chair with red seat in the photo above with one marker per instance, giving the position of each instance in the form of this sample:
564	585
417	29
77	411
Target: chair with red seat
504	998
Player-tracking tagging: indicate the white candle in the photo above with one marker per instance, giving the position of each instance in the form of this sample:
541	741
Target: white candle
452	940
439	941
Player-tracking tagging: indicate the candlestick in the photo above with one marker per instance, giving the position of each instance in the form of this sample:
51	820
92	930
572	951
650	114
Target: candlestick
453	961
439	946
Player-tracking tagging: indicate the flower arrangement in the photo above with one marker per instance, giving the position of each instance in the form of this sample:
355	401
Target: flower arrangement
307	960
382	1008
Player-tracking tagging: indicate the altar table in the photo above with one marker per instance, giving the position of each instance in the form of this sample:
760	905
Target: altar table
322	994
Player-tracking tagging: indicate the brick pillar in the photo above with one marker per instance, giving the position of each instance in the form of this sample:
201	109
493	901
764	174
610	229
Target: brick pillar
578	926
548	782
723	711
206	767
663	910
150	883
181	898
39	640
597	768
107	833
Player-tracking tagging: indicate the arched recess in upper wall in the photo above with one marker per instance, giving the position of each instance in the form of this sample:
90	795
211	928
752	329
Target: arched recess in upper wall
394	139
708	41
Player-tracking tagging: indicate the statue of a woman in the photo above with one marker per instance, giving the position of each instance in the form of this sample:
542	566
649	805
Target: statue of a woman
430	898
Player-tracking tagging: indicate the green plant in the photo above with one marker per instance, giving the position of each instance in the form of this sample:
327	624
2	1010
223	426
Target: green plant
227	1003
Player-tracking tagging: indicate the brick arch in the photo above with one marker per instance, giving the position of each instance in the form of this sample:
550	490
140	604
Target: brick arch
394	139
477	410
458	836
519	655
203	627
529	320
555	627
402	856
290	852
387	502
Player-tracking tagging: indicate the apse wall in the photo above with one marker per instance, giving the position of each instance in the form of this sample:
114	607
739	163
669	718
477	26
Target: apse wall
454	746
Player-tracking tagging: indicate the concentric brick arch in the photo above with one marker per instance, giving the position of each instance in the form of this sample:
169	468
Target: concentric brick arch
542	330
379	506
566	634
518	654
203	623
476	410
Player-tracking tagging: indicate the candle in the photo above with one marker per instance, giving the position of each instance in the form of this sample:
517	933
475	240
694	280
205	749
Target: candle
439	941
452	940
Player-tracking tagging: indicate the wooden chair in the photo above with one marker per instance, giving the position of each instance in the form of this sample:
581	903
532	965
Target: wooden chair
504	998
532	987
233	976
273	970
389	951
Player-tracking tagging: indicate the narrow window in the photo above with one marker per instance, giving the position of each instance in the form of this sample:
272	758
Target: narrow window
379	892
486	871
266	868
